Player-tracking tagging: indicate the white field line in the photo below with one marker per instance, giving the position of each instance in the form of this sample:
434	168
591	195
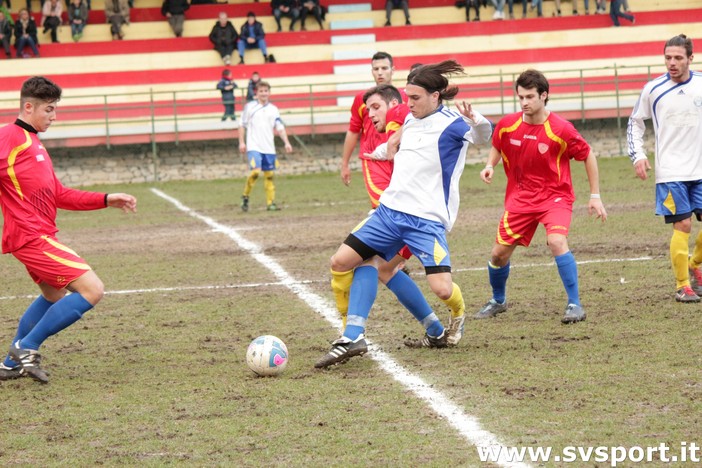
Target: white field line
467	425
279	283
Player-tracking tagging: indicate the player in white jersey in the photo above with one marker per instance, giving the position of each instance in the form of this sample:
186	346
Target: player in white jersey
256	138
674	103
420	204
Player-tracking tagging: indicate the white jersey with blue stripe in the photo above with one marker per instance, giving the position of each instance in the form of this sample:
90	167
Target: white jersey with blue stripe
260	120
676	112
430	162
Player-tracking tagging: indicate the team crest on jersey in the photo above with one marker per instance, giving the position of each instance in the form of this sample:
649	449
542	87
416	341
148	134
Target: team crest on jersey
543	148
698	101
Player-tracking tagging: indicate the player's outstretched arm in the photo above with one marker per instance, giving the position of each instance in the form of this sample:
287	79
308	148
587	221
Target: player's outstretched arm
124	201
595	204
481	128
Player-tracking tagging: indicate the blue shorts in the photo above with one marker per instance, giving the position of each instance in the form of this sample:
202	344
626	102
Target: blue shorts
678	200
265	162
386	231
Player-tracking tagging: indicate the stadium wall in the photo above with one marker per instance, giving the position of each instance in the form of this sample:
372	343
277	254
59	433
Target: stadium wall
220	159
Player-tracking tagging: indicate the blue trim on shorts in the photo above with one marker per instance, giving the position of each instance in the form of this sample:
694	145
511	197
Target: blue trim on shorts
263	161
386	231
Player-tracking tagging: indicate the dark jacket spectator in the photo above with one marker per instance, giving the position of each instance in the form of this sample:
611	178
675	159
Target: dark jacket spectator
224	37
287	8
315	9
252	36
26	33
175	10
6	33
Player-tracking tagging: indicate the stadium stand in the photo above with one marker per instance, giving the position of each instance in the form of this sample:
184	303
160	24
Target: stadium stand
151	83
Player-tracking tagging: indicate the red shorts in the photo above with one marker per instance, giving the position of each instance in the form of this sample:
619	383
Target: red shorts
49	261
519	228
376	175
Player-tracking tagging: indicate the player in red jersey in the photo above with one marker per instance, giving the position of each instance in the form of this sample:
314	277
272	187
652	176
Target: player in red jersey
376	174
536	147
30	194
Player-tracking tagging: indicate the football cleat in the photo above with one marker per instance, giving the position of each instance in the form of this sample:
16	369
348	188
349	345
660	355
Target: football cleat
686	294
696	280
9	373
428	341
272	207
455	329
244	203
574	313
491	309
342	350
29	361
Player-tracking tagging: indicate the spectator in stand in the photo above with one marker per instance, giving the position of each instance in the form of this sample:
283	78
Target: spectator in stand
226	85
510	6
77	17
117	14
539	5
5	34
601	6
575	7
394	5
175	10
311	6
615	12
253	37
475	4
287	8
499	9
251	91
51	18
26	33
224	37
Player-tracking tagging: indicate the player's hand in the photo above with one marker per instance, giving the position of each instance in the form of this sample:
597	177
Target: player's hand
242	148
466	109
642	167
123	201
345	175
486	174
595	206
288	147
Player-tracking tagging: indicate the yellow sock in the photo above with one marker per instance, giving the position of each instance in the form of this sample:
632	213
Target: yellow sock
696	259
268	186
679	251
341	287
455	302
250	182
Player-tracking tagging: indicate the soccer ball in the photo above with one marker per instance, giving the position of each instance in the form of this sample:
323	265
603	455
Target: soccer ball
267	355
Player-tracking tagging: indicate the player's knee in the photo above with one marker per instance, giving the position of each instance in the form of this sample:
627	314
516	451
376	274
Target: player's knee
268	175
254	174
558	244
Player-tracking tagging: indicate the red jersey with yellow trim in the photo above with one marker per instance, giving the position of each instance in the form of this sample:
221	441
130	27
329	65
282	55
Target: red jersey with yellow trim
395	118
30	193
361	123
536	159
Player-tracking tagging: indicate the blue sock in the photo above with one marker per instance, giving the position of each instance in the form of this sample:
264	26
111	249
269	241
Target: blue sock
410	296
364	289
498	280
30	318
568	270
59	316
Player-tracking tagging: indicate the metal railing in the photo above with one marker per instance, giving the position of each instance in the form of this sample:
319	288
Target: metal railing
580	93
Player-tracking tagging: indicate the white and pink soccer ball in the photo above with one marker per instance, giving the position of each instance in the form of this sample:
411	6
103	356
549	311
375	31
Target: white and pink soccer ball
267	355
